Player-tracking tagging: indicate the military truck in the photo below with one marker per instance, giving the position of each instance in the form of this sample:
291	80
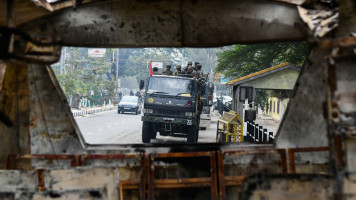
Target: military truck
207	100
172	106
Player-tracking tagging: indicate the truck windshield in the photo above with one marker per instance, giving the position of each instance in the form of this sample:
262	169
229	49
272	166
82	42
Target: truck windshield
171	86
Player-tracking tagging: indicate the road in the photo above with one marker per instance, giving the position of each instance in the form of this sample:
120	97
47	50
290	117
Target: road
112	128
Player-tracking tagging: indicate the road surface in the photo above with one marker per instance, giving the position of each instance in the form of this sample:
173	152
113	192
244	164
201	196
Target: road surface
112	128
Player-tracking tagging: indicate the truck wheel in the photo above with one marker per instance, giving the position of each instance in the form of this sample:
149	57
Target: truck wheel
192	136
146	132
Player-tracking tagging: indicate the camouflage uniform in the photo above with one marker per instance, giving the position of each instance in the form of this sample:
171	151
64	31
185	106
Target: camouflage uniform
185	70
178	70
190	70
199	73
167	71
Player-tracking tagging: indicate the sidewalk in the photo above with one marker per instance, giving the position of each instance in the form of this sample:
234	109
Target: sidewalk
91	110
265	121
268	123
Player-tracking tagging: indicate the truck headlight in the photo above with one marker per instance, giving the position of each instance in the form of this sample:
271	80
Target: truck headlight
189	114
149	111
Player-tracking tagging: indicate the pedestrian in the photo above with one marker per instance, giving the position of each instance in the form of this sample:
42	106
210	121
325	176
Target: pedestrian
167	71
178	70
138	94
132	93
250	114
120	95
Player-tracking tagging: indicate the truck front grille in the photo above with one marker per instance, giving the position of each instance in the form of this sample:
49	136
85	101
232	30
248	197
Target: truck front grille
169	112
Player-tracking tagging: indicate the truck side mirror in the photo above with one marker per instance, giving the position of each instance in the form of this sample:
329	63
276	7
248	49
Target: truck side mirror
142	84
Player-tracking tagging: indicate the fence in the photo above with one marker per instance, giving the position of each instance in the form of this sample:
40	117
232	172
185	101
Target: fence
258	134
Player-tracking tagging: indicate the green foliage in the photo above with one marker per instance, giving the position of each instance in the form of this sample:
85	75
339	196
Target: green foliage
81	74
242	60
261	99
281	94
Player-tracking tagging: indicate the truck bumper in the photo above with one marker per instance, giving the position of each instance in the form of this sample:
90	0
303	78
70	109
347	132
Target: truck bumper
169	120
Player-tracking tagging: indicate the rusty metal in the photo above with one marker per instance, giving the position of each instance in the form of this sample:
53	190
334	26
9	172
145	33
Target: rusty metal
10	158
170	23
282	153
184	182
292	151
238	180
84	157
41	179
338	152
131	184
18	45
221	175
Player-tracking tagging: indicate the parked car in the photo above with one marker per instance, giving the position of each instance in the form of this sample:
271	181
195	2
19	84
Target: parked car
130	104
227	100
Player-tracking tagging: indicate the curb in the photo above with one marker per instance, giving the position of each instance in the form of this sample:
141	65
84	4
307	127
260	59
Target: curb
92	111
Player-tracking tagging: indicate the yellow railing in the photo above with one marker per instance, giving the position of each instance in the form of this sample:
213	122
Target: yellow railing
229	128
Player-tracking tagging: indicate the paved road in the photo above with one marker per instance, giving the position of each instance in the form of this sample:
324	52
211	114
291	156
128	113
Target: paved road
112	128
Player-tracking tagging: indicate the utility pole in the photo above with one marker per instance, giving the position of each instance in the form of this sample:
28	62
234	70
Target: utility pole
117	67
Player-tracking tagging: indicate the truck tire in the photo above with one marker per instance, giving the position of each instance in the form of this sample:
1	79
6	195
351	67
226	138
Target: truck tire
146	132
192	135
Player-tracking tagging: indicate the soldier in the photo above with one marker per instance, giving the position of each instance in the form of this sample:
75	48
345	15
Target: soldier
167	71
190	70
185	69
195	65
199	73
178	70
155	71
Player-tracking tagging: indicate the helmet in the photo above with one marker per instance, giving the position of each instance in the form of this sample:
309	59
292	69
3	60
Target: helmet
168	66
190	63
199	66
196	63
178	67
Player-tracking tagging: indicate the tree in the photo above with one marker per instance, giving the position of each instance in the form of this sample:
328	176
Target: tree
242	60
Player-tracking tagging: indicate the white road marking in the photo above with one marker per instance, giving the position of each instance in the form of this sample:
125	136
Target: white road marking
89	133
100	129
109	126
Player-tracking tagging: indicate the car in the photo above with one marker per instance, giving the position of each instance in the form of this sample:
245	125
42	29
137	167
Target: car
226	99
130	104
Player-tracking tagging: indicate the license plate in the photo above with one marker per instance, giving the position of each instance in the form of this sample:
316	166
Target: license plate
189	122
127	108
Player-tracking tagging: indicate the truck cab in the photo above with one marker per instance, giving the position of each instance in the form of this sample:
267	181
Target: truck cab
172	106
